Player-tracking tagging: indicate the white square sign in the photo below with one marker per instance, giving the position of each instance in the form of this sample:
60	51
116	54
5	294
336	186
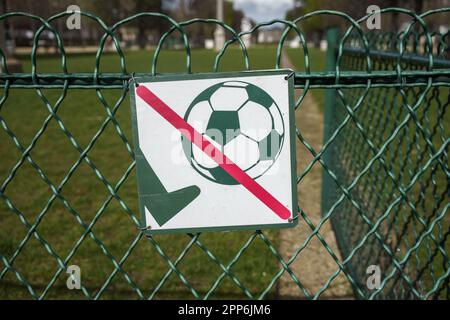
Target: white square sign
215	151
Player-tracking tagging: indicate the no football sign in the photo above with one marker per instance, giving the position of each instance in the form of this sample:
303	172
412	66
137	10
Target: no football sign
215	151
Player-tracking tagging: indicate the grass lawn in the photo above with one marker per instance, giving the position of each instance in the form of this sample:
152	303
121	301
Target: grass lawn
82	115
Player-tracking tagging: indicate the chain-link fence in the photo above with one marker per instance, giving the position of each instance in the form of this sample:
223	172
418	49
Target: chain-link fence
68	183
388	197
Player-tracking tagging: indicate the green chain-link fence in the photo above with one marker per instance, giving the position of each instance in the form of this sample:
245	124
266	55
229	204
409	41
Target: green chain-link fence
69	193
388	197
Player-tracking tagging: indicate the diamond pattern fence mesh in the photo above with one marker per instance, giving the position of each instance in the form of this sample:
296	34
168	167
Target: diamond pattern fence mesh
68	185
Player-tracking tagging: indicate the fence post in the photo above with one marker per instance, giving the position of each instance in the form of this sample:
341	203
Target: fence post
330	99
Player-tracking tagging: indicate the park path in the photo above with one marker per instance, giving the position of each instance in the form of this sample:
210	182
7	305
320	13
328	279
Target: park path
314	265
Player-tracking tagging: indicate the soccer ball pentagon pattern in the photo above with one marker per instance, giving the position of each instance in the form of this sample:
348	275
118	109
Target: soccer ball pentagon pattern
243	122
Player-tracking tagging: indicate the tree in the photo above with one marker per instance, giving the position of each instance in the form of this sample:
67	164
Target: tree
312	25
143	24
232	17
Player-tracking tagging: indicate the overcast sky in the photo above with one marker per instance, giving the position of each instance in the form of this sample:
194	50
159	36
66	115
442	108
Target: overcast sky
263	10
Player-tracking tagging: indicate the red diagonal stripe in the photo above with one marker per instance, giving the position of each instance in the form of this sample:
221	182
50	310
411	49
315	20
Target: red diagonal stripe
210	150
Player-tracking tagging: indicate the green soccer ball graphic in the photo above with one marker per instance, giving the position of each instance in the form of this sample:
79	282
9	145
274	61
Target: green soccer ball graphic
242	121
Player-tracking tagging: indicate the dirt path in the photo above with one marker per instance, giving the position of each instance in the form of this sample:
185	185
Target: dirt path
313	265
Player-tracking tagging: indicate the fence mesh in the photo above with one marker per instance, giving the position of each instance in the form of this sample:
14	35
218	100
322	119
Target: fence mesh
68	183
389	205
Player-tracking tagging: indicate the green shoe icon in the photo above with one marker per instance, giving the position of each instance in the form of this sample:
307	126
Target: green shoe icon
163	205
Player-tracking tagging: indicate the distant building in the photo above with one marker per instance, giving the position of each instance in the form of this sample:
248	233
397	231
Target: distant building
272	35
246	25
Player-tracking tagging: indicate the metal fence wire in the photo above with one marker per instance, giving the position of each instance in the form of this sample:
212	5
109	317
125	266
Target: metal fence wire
68	184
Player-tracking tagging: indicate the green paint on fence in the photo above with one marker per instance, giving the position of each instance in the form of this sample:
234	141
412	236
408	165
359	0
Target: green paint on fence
384	158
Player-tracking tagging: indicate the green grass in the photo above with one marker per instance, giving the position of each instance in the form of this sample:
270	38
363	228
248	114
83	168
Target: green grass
82	114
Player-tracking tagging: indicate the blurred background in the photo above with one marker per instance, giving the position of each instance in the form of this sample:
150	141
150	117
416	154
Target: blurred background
241	15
